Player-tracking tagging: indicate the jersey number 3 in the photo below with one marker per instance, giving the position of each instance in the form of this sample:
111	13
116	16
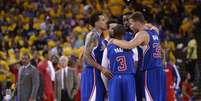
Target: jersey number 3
122	63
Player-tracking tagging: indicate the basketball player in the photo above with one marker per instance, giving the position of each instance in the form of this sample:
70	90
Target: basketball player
121	63
92	87
129	35
147	38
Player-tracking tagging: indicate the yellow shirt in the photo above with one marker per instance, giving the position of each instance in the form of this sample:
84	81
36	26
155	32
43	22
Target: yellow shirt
116	7
5	67
192	44
172	57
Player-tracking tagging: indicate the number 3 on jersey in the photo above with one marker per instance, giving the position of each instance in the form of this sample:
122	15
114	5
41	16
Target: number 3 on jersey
122	63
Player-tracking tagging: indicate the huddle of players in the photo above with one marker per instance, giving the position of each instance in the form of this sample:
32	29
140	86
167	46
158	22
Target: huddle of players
113	69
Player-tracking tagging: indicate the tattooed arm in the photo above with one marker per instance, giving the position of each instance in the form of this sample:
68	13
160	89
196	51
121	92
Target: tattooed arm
90	43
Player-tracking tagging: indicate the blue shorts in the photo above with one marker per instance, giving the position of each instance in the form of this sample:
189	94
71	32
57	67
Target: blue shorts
139	82
155	85
122	88
92	87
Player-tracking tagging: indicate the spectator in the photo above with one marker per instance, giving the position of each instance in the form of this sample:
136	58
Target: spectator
186	88
192	56
55	62
28	80
66	81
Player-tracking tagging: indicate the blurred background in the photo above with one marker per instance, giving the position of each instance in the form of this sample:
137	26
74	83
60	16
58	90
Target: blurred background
60	27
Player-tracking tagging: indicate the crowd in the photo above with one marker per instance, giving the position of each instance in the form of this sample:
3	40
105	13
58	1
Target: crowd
51	33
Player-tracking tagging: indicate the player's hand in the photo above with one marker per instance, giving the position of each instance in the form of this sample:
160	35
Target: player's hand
44	97
106	72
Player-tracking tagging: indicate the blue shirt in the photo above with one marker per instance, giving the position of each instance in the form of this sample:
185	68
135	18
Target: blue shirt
119	60
152	53
128	36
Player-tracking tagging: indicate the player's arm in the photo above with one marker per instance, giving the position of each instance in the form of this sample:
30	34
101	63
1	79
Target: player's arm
137	40
91	42
105	63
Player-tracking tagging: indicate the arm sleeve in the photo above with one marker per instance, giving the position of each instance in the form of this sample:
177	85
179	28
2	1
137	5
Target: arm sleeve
105	63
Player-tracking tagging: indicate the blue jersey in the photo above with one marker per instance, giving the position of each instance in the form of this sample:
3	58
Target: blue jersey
128	36
152	54
97	52
121	60
92	87
121	63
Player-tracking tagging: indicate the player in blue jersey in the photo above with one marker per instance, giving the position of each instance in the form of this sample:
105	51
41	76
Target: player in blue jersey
92	87
129	35
147	38
121	63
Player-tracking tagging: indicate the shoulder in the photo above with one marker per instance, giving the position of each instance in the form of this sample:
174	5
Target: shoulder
193	41
57	72
110	46
32	67
20	68
90	34
142	34
39	64
90	38
72	70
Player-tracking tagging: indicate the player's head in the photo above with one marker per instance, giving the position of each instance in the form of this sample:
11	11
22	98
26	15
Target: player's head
118	31
98	20
45	54
125	19
111	24
136	21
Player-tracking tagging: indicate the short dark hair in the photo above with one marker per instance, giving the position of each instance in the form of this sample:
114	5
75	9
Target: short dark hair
45	53
94	17
118	31
137	16
72	60
111	21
